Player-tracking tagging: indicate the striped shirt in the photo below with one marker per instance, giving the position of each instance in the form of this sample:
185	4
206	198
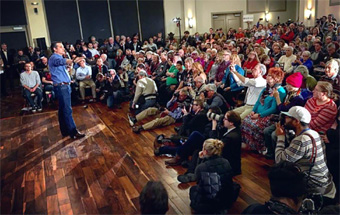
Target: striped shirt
323	116
299	151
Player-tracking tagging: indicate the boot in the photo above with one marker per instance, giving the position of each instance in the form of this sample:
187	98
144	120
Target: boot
137	129
174	161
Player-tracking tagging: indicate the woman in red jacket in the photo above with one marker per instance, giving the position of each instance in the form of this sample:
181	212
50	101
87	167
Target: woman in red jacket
250	63
288	36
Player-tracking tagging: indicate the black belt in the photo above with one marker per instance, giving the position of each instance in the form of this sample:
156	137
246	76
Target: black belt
150	95
61	84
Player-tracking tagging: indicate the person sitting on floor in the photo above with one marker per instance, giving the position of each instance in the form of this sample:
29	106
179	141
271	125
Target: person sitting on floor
306	150
30	80
170	115
145	95
214	190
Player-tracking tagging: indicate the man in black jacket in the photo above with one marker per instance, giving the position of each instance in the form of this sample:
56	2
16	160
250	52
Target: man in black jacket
230	135
193	120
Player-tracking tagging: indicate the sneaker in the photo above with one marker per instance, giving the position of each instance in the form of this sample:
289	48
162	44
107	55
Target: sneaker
39	109
132	120
34	109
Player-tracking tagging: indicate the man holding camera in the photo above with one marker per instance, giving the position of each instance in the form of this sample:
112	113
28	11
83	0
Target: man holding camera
170	115
145	95
214	99
306	150
255	86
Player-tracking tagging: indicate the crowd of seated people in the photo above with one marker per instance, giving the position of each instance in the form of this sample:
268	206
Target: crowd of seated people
228	86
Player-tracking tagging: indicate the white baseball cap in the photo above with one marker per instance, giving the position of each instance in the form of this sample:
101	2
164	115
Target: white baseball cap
299	113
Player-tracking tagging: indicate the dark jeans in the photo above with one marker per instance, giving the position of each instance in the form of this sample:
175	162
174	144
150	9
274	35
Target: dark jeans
194	142
3	84
115	98
38	93
49	87
66	122
148	103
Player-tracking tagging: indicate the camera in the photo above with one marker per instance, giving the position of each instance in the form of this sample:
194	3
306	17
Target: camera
278	118
186	105
176	94
214	116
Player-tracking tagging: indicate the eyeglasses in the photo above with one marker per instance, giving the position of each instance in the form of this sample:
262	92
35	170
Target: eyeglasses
195	104
226	119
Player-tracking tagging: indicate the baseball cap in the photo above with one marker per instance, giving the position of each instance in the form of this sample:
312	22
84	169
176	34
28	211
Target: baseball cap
299	113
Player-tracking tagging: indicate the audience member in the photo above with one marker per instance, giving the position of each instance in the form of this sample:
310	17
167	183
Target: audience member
84	76
288	188
322	107
214	190
253	125
306	150
30	80
154	198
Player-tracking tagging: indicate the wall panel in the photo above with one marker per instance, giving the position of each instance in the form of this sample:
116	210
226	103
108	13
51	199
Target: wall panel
62	18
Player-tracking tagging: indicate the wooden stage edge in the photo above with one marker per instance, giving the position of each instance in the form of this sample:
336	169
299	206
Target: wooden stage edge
103	173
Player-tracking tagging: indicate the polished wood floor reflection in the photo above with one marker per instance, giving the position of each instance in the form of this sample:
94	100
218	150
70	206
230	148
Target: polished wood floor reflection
103	173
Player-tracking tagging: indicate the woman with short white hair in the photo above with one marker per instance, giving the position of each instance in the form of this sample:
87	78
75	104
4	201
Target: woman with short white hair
305	61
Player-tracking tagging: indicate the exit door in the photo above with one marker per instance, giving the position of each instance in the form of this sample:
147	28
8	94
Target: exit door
227	21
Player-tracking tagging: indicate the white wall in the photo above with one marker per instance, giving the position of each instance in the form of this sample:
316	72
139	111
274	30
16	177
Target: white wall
173	9
324	9
205	8
36	22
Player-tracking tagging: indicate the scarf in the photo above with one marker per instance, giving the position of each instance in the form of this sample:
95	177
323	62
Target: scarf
268	91
291	96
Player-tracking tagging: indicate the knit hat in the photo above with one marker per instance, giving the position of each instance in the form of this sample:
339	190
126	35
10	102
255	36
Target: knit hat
295	79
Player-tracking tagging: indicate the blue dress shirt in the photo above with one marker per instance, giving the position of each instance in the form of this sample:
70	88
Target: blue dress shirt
57	67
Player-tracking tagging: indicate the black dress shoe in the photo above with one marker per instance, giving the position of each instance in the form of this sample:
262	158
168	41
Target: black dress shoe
77	135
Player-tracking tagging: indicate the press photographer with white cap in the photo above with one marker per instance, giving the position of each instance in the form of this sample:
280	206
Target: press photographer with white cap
306	150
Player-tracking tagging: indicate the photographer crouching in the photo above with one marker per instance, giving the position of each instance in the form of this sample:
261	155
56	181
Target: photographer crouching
307	151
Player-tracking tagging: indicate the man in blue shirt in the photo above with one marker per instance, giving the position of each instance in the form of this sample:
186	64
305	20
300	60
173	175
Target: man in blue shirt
61	81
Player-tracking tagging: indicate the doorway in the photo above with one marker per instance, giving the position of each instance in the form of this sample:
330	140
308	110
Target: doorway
226	21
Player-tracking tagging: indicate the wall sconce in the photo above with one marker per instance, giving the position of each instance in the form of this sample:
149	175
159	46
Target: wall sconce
267	16
35	9
177	20
308	13
191	22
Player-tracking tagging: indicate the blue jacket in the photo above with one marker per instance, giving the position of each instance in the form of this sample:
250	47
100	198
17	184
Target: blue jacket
233	85
308	64
270	106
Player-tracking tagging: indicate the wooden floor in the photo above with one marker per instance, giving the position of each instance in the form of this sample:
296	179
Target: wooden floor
103	173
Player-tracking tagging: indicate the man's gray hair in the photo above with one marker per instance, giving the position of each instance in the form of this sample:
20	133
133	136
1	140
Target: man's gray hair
142	73
290	47
335	63
211	87
263	68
